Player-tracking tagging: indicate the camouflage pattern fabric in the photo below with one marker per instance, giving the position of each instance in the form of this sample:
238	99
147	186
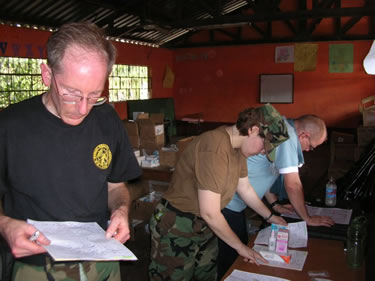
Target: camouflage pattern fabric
90	271
182	248
272	127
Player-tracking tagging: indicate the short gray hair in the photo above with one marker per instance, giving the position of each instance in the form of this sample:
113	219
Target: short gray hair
83	34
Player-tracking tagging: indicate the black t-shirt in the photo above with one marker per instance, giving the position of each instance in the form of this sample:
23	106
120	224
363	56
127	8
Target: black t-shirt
50	170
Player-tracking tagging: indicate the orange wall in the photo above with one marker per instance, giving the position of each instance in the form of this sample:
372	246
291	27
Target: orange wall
21	42
156	59
221	81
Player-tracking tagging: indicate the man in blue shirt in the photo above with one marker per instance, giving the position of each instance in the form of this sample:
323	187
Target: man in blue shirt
305	133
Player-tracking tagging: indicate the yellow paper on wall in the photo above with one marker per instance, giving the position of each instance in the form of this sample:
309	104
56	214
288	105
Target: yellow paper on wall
305	56
168	78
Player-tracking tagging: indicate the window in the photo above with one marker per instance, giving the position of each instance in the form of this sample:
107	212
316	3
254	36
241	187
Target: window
129	82
20	79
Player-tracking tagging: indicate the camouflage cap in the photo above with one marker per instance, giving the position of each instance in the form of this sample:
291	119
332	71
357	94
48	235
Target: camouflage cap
272	127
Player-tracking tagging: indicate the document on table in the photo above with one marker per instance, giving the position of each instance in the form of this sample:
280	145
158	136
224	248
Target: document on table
297	259
239	275
341	216
81	241
297	231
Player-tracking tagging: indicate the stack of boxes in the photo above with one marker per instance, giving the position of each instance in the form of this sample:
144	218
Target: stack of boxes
146	136
151	131
367	109
366	133
344	153
170	155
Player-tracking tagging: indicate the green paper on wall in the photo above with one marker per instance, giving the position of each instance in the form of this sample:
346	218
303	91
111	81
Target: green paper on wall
341	58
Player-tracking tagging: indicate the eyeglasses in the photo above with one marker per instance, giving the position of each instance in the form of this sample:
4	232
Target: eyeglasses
310	146
76	99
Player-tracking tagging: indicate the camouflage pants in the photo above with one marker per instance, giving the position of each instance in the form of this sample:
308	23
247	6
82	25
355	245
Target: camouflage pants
182	248
83	271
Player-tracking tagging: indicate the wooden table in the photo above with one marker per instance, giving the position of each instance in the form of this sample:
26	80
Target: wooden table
323	255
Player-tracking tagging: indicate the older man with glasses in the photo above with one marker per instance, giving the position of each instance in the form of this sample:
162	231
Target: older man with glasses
65	156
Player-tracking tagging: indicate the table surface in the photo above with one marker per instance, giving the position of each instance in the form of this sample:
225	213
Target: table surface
323	255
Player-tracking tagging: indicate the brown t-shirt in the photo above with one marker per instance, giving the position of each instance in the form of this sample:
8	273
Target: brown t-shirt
208	163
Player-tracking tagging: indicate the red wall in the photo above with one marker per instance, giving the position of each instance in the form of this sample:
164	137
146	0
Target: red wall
21	42
156	59
221	81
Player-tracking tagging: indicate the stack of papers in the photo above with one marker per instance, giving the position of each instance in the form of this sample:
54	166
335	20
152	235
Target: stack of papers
238	275
297	239
340	216
74	241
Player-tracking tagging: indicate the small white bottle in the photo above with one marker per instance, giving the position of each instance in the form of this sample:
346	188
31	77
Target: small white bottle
272	241
331	189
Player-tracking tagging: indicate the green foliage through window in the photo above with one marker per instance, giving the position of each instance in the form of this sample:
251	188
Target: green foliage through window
20	79
129	82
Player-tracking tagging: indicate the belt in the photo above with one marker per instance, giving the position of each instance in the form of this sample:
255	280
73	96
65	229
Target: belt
169	206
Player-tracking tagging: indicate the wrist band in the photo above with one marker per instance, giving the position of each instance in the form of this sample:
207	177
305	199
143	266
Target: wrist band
270	216
274	203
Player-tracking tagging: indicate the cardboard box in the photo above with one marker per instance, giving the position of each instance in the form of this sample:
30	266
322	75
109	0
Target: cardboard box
151	131
365	135
133	133
134	141
143	208
367	108
168	156
342	138
339	169
344	152
131	127
182	144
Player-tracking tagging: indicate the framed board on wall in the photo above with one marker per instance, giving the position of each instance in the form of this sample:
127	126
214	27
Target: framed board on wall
276	88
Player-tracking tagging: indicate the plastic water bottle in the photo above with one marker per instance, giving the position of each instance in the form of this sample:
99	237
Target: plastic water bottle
356	240
272	241
331	189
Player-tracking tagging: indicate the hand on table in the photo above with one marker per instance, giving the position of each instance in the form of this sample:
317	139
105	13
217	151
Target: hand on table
277	220
251	256
320	221
283	209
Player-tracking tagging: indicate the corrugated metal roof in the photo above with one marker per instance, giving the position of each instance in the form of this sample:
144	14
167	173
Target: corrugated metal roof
172	23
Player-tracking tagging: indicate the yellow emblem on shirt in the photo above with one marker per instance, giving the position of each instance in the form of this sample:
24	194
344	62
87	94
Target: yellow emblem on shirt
102	156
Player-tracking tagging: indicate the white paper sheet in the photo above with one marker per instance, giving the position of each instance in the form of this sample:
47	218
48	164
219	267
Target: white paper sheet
341	216
297	239
239	275
81	241
297	259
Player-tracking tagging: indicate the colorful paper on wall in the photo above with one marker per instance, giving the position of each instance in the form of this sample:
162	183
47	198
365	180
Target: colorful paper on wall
341	58
168	78
284	54
305	56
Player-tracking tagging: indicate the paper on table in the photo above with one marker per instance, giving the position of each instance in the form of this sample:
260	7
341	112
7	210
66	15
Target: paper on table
297	239
341	216
81	241
297	259
239	275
